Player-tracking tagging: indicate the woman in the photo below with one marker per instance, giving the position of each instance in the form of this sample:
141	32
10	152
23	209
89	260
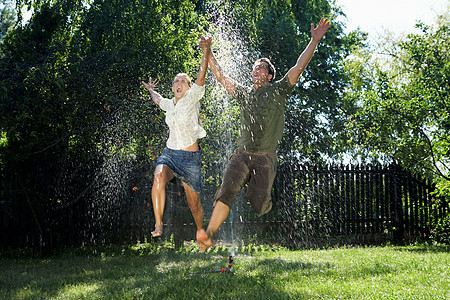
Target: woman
182	156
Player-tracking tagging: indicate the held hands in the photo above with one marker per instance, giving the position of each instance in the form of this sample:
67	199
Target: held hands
205	43
318	32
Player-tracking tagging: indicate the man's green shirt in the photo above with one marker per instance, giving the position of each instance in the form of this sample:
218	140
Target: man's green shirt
262	115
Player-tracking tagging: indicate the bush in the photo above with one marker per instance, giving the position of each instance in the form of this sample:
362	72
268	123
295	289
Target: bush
441	232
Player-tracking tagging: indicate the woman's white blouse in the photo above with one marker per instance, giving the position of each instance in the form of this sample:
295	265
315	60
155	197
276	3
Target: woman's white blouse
183	118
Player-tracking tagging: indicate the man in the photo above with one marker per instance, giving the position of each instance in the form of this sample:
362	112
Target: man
262	122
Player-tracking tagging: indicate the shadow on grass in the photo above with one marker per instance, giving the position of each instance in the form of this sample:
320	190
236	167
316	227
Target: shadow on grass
165	276
150	271
424	248
159	270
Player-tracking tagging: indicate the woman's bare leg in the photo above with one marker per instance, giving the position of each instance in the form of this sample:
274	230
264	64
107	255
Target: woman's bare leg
193	200
162	176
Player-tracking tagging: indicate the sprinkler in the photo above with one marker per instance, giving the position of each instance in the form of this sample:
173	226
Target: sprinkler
228	269
230	265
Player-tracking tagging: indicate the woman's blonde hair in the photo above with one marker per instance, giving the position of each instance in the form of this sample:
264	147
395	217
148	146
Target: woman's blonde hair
185	75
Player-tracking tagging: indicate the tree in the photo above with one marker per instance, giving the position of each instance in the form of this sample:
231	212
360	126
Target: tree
72	104
7	17
404	110
280	30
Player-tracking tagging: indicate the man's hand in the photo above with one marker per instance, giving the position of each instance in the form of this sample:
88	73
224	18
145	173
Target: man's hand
318	32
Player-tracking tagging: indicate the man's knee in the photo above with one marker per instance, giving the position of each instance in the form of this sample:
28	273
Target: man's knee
226	196
264	208
261	203
227	203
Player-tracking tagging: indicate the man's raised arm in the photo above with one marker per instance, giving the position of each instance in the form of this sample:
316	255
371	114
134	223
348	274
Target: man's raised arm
316	35
227	82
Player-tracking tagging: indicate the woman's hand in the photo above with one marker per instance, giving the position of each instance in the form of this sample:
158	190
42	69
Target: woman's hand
150	86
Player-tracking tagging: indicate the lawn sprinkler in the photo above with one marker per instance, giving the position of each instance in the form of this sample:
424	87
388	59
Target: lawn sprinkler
228	269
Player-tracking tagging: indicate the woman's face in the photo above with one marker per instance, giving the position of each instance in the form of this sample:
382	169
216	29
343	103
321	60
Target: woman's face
180	86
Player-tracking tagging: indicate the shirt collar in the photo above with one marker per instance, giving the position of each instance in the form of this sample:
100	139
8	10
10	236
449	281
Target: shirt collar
265	85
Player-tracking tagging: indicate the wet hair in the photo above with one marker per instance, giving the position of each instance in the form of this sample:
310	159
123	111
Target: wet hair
271	68
185	75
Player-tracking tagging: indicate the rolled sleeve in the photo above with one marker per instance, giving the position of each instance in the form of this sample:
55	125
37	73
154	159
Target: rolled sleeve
165	104
196	92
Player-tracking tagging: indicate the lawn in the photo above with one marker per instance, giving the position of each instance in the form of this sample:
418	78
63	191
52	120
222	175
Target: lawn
159	271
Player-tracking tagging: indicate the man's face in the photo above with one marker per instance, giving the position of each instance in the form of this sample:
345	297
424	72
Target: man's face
260	73
180	86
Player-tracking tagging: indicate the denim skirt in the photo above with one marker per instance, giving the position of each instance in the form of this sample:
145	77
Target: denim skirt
185	165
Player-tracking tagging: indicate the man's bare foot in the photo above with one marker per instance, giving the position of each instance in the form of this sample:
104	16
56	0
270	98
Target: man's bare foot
205	245
158	231
204	241
201	235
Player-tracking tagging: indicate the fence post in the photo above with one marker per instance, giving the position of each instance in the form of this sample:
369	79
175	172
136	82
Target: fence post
396	203
4	209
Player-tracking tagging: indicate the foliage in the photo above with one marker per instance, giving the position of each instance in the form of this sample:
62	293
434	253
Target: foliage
7	17
280	30
441	231
403	109
71	99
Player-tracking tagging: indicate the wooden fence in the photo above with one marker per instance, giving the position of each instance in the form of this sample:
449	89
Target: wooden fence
364	202
344	204
311	205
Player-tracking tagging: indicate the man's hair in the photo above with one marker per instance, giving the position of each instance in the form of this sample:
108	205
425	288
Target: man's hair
185	75
271	68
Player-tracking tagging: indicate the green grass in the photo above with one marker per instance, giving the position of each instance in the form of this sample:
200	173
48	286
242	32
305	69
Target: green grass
158	271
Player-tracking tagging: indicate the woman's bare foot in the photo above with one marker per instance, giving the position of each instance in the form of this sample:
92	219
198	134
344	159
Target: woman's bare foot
158	231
